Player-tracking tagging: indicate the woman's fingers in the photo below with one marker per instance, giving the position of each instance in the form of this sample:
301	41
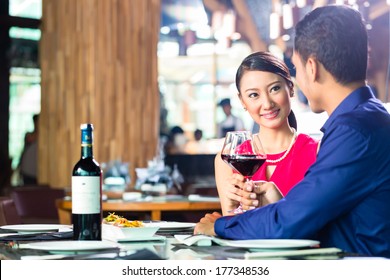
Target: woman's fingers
233	191
249	199
248	194
238	177
236	181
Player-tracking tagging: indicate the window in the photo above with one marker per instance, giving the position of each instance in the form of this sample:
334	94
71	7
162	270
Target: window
26	8
25	76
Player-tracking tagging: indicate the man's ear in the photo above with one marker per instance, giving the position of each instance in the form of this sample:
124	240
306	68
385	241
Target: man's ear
312	69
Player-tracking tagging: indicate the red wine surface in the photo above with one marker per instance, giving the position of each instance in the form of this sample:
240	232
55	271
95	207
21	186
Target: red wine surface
247	165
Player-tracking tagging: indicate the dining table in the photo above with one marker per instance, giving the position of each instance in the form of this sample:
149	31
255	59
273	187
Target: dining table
176	252
153	206
171	249
171	243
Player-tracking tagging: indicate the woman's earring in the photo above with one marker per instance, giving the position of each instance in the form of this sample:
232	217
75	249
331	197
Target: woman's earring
244	108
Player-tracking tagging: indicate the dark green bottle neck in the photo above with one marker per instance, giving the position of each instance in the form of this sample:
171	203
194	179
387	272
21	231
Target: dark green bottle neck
86	141
86	151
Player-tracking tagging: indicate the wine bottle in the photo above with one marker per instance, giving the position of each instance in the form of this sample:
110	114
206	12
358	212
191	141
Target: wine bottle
87	191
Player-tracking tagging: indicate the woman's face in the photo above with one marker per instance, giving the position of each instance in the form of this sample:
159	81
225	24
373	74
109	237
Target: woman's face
266	96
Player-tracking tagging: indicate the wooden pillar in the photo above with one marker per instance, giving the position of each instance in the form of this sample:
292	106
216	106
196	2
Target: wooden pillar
99	65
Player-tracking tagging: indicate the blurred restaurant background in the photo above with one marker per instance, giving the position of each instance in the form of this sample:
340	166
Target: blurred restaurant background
137	69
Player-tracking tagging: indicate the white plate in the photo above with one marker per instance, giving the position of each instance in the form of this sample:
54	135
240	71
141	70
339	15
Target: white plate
36	228
171	226
71	246
252	245
273	244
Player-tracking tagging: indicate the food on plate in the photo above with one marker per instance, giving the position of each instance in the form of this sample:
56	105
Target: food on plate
120	221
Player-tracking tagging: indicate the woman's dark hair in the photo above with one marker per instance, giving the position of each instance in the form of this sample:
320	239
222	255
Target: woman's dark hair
292	121
267	62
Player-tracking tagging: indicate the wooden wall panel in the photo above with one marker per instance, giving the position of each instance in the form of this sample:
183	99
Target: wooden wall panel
99	65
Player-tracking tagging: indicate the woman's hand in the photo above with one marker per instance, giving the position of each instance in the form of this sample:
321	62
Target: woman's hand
258	194
233	191
250	194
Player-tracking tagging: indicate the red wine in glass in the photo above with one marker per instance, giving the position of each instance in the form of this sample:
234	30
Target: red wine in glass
247	165
244	153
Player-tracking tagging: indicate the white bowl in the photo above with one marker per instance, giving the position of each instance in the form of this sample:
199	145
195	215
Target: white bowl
128	232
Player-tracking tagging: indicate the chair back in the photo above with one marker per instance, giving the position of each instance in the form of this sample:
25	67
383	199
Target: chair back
8	212
36	204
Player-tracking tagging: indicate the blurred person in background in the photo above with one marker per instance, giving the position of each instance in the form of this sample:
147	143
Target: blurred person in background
231	122
29	159
197	145
177	141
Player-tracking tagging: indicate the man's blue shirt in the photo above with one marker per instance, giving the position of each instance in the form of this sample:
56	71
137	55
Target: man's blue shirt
344	199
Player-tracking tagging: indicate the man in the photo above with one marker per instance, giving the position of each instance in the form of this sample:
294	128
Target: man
231	123
28	159
343	200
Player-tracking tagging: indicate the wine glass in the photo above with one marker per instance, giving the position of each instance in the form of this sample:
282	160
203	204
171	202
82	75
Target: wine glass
243	152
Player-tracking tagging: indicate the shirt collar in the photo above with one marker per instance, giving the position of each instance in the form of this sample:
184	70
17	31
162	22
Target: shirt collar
353	100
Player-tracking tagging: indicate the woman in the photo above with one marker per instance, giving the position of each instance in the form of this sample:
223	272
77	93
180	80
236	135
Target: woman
265	87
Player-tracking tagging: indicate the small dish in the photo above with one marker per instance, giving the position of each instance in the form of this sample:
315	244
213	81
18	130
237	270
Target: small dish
118	232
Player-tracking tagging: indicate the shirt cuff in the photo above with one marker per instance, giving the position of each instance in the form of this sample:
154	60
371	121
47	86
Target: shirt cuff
219	226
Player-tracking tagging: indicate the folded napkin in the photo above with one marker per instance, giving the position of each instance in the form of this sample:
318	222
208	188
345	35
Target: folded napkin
38	236
201	240
173	232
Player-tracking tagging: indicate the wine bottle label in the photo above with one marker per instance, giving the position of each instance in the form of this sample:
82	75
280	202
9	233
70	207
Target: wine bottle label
86	195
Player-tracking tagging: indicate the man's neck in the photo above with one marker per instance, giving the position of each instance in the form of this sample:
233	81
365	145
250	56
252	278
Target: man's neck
337	93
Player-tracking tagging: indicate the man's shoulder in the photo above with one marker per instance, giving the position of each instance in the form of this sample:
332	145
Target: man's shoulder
368	123
369	116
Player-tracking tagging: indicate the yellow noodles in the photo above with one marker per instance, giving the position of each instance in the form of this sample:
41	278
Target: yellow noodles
120	221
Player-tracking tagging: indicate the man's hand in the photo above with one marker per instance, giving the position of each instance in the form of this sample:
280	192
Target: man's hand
206	224
259	194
